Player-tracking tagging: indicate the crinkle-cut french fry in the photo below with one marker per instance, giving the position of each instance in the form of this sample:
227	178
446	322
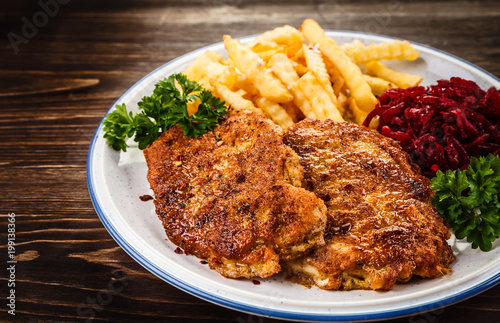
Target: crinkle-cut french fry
233	99
401	80
299	57
352	46
293	111
309	94
383	51
266	51
351	73
293	48
315	64
279	35
306	86
359	115
299	68
204	81
342	103
282	67
266	55
262	47
320	101
242	93
335	77
228	61
227	77
211	66
242	82
274	111
299	64
214	57
252	65
302	101
377	84
195	71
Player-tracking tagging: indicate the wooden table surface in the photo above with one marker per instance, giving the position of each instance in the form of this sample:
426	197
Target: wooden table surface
69	67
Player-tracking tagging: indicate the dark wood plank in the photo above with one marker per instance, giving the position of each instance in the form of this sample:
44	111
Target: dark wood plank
67	259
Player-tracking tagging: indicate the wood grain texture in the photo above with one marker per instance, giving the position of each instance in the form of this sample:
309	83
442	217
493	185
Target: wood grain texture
66	258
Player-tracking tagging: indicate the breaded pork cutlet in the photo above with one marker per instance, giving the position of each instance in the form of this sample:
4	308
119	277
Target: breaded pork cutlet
381	226
233	196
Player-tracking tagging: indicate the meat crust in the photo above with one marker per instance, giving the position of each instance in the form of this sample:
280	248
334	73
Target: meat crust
229	196
381	227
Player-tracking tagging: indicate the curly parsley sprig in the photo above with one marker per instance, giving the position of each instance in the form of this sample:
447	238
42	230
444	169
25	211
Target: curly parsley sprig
469	200
165	108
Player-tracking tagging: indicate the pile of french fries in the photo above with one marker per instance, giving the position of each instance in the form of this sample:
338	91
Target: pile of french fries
290	74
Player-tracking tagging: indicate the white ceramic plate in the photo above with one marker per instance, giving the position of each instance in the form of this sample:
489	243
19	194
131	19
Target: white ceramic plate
117	180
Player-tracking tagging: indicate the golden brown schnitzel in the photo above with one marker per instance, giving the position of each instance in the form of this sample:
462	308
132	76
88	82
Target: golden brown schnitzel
381	226
233	196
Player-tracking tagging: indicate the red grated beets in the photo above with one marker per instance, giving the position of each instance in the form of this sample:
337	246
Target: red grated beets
441	126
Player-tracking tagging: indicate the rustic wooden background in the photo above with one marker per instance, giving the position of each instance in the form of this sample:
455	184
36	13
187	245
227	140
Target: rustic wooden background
69	71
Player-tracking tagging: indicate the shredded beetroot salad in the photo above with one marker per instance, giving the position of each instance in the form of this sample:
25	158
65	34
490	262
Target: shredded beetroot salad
443	125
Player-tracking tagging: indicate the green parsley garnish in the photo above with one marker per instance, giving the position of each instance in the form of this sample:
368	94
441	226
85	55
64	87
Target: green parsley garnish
469	200
165	108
